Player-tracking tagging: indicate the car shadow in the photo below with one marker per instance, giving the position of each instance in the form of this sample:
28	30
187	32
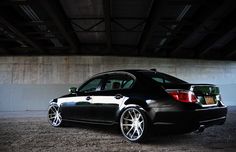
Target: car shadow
113	129
160	137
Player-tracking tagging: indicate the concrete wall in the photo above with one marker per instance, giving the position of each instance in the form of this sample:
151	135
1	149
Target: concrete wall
28	83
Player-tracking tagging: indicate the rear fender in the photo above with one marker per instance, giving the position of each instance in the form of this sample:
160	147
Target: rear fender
127	105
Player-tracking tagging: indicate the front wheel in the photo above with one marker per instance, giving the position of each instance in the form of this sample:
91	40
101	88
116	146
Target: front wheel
54	115
134	124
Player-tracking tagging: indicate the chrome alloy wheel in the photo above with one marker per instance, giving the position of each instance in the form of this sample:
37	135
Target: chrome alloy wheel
132	124
54	116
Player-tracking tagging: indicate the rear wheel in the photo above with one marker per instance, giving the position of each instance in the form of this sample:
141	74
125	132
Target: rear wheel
54	115
134	124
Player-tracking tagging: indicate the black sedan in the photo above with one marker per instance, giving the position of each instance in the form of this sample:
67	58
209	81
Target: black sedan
137	100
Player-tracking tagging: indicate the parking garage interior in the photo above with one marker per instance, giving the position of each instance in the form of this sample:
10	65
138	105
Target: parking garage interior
48	46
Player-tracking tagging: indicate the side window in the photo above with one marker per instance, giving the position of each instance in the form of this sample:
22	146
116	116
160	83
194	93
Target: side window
158	79
128	83
119	81
91	85
167	81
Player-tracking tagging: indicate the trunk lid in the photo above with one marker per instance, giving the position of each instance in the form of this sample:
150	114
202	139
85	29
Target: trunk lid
207	94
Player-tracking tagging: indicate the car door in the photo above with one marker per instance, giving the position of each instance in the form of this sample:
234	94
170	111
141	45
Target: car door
111	96
80	106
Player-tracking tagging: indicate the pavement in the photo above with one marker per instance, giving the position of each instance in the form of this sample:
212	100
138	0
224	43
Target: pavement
30	131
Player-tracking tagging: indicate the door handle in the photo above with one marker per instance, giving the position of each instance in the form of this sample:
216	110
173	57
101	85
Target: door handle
118	96
88	98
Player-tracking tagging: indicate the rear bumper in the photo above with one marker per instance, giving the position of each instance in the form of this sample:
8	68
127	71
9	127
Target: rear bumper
216	121
207	117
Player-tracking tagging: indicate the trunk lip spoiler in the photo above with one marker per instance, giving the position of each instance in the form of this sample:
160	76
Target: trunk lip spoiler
195	85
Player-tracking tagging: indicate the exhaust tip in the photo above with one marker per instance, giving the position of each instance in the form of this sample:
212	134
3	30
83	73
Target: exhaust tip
200	129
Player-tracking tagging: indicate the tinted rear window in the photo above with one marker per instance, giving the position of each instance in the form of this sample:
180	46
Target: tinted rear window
162	78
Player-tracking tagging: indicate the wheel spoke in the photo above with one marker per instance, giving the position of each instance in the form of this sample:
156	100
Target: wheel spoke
51	117
127	124
51	114
141	129
58	120
54	109
133	133
128	119
129	131
134	114
59	115
139	115
131	115
55	120
138	131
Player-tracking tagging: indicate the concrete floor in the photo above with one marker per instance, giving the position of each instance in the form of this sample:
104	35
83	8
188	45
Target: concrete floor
30	131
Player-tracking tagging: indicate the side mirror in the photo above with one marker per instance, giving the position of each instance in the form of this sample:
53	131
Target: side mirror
73	90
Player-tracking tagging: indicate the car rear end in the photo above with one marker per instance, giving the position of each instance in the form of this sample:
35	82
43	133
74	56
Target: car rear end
190	105
199	103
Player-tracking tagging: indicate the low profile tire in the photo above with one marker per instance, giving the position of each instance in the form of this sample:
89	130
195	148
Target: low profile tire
54	116
134	124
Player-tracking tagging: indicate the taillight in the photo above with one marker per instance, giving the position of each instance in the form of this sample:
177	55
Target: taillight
183	95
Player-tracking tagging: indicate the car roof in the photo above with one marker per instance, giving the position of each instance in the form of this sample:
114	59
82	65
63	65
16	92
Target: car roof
132	71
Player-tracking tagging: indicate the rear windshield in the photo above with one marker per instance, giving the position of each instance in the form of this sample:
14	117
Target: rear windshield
163	78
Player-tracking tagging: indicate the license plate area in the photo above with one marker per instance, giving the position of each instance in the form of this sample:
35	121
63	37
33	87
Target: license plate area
209	100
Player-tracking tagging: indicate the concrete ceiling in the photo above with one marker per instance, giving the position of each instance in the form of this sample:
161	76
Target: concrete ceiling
154	28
